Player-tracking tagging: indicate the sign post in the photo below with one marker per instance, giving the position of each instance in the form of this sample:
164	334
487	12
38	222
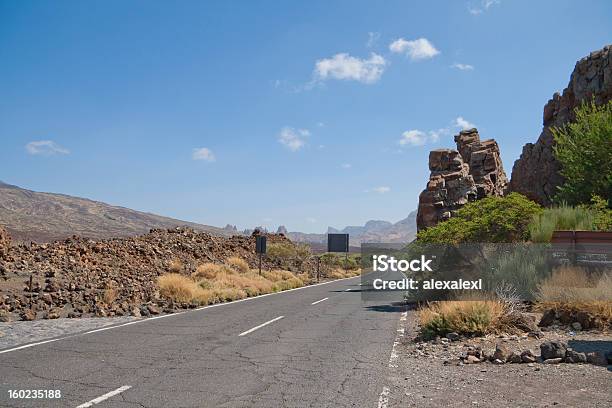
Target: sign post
260	248
339	243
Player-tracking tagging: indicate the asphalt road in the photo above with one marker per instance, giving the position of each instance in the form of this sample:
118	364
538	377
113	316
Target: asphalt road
319	346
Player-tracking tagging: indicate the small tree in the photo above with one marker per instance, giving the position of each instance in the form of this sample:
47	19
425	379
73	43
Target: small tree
492	219
584	149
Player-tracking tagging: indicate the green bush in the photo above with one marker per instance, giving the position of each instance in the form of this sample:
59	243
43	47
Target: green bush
584	149
492	219
281	253
560	218
334	260
602	213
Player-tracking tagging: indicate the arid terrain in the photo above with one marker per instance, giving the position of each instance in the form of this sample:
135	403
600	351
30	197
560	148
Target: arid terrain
46	217
438	373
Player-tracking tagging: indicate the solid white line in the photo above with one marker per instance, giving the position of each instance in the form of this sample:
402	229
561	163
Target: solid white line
28	345
105	396
260	326
148	319
319	301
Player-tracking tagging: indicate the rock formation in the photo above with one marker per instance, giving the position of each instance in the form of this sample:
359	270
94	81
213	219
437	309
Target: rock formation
471	172
536	173
69	277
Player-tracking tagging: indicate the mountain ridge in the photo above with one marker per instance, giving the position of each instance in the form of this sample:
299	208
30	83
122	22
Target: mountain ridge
403	230
43	217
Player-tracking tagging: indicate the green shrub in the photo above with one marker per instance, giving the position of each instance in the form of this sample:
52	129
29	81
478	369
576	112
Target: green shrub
584	149
602	213
492	219
281	252
560	218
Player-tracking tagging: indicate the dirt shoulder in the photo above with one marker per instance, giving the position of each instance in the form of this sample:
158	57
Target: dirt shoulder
431	375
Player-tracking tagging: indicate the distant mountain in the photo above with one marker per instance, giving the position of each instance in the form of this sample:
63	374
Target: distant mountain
373	231
44	217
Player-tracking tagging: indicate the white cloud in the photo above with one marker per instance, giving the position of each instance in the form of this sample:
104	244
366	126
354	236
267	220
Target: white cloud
372	39
381	189
203	153
346	166
320	124
345	67
417	137
45	148
311	220
463	67
413	137
463	124
418	49
484	5
293	139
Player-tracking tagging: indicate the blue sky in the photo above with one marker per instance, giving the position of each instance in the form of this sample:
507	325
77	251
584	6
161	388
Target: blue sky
302	113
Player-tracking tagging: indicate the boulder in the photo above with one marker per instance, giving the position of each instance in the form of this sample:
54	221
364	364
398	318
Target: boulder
528	357
536	173
501	353
597	358
553	350
572	356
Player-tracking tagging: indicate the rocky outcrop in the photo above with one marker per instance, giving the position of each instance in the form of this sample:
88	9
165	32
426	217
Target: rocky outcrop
471	172
70	278
536	174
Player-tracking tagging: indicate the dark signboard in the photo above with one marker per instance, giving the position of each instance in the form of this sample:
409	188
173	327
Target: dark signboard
337	242
260	244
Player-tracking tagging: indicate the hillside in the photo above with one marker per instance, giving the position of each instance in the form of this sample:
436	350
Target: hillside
372	231
44	217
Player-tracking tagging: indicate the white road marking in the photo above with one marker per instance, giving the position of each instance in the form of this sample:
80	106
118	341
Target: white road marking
319	301
148	319
383	400
260	326
105	396
28	345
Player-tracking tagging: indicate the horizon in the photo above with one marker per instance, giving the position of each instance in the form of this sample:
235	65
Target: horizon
201	113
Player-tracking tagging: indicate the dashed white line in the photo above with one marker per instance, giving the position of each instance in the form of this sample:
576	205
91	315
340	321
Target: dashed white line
148	319
260	326
319	301
105	396
383	399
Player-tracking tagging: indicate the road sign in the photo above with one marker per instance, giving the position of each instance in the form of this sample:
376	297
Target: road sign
337	243
260	244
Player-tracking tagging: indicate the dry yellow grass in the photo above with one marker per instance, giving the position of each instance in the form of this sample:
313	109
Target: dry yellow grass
574	289
175	266
463	316
237	264
177	287
109	295
340	273
208	271
233	280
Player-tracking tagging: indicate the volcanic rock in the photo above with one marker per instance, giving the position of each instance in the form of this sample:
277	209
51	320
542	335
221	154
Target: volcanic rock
536	174
553	350
471	172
